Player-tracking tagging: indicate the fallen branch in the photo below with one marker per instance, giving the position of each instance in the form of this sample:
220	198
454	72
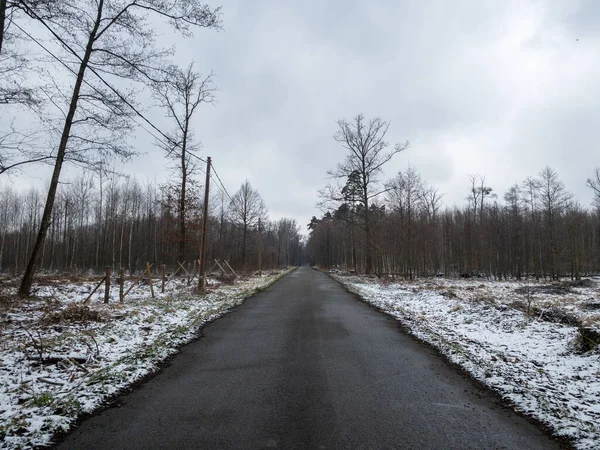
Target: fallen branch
89	333
38	346
52	382
77	364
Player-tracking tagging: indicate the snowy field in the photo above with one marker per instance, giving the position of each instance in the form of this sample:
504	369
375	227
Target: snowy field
520	339
60	359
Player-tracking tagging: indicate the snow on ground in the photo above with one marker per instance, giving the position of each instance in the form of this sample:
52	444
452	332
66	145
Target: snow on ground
60	359
484	328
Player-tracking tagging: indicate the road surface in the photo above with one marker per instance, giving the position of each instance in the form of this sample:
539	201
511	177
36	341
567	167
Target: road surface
305	365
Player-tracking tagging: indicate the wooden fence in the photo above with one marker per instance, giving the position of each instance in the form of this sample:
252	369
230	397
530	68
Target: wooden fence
189	273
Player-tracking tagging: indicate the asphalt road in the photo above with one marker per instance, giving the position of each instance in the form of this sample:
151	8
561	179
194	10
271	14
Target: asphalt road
306	365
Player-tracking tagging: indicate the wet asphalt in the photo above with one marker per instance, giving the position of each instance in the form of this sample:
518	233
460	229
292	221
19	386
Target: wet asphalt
305	365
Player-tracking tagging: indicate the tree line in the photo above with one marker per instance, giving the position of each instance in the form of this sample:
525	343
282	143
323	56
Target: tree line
537	229
116	221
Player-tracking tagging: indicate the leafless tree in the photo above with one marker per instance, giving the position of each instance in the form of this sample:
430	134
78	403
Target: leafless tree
514	209
406	192
554	199
594	185
247	208
538	230
12	63
126	225
179	96
19	145
288	233
477	195
104	39
367	154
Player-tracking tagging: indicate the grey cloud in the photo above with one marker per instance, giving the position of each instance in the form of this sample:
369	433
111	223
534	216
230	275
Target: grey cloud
497	88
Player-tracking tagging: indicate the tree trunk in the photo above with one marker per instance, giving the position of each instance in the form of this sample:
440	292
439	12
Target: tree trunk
26	283
2	21
121	242
130	248
2	250
368	255
244	245
182	197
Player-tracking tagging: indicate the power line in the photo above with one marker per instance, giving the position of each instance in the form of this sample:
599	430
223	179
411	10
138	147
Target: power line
123	99
221	190
224	189
221	183
134	109
197	157
114	90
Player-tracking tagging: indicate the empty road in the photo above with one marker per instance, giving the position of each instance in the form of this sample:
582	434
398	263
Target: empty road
305	365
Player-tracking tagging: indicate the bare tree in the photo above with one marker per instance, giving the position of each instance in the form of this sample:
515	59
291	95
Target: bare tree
538	230
367	154
17	87
287	234
106	38
530	198
180	95
514	209
406	193
477	195
554	199
432	200
594	185
247	208
19	145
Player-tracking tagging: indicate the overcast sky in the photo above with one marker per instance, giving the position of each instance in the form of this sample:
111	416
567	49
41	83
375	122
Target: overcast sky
497	88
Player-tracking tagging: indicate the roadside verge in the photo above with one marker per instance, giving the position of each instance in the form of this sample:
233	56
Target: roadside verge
60	360
533	364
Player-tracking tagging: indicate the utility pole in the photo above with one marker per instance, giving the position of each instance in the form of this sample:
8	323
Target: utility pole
201	281
259	249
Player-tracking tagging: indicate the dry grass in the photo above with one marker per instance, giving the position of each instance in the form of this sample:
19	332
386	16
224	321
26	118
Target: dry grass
74	313
7	302
58	280
587	339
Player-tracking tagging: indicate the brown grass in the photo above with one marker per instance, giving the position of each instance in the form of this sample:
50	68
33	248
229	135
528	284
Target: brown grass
74	313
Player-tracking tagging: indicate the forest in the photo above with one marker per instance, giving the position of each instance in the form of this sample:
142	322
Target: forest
401	226
117	221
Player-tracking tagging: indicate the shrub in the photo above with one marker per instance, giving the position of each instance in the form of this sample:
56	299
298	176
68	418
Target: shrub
586	339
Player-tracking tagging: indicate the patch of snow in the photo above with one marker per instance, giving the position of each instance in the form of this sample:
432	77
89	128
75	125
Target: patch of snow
53	369
482	327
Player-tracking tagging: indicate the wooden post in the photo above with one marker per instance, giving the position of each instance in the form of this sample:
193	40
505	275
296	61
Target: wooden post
134	284
148	267
193	275
121	285
220	267
180	268
232	271
162	277
201	281
107	284
89	297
